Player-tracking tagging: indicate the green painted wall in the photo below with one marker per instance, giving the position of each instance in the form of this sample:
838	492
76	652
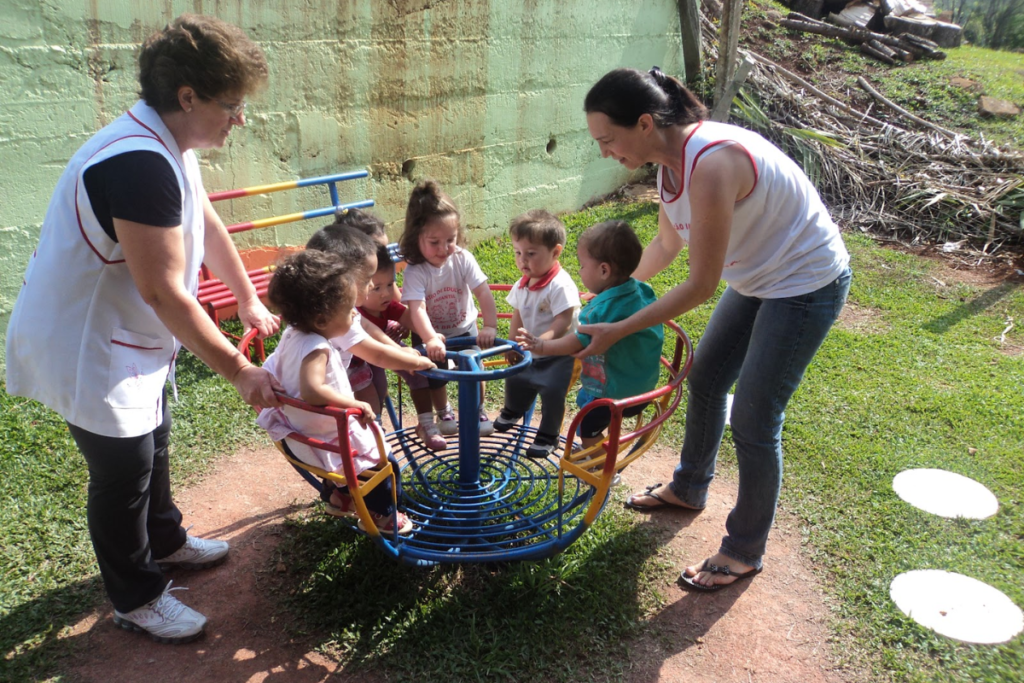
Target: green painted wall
485	96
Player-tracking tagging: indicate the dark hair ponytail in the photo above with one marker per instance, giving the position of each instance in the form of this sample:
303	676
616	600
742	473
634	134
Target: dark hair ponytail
623	95
427	202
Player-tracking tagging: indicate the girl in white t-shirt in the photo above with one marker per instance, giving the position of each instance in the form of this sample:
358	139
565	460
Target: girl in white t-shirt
437	288
316	297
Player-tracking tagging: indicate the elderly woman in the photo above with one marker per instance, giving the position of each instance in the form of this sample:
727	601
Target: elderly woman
751	217
109	298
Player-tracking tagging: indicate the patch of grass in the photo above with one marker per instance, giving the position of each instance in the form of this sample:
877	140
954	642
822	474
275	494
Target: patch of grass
567	618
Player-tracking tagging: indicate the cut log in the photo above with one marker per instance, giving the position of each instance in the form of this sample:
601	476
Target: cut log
941	33
947	35
869	49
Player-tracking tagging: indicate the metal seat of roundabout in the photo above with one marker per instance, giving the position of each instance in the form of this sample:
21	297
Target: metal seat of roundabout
482	499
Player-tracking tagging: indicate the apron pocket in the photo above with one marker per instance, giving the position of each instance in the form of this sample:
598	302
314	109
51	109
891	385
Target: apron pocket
138	369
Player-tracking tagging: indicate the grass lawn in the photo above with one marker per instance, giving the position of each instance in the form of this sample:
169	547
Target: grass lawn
919	381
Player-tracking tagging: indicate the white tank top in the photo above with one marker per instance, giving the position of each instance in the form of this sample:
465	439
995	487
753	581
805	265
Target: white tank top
782	242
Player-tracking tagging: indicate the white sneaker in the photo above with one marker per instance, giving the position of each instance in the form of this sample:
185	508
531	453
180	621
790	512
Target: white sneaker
165	619
486	426
446	422
197	553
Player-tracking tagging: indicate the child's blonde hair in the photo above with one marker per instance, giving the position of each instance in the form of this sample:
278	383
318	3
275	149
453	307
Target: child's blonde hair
428	202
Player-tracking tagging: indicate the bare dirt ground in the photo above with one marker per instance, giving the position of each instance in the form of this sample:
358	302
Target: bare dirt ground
771	630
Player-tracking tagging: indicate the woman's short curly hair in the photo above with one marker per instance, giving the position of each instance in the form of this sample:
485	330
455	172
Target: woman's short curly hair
209	55
309	287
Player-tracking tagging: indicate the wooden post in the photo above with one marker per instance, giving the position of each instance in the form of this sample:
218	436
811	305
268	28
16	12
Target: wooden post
724	104
728	40
689	33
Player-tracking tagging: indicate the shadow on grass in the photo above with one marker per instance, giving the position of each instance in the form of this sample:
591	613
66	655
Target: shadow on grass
32	636
967	309
569	618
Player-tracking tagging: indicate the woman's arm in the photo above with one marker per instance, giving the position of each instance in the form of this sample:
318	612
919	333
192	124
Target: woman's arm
719	182
662	250
223	259
421	326
156	260
313	388
485	338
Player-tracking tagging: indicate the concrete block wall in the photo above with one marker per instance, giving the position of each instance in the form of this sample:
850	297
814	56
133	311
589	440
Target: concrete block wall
483	95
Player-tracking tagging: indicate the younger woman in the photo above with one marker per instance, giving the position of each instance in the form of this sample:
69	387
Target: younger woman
316	297
437	287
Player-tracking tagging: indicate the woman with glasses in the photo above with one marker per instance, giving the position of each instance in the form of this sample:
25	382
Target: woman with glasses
109	296
749	216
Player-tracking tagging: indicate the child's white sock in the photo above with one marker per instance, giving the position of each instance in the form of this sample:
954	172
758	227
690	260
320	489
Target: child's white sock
426	419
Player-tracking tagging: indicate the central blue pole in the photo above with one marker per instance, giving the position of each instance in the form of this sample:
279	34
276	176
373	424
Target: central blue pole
469	422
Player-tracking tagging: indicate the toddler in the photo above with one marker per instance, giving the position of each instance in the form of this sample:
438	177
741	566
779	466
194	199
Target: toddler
437	286
364	341
608	254
384	308
316	297
544	302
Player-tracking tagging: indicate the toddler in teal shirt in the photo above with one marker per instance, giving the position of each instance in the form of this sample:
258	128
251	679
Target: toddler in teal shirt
608	253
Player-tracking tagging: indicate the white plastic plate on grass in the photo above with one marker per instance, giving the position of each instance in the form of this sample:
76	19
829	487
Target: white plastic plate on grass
957	606
945	494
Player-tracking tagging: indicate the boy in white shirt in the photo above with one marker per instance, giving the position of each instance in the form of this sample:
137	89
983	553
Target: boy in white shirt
544	302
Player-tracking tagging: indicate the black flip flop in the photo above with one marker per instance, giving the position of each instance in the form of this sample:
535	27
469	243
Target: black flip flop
662	503
688	583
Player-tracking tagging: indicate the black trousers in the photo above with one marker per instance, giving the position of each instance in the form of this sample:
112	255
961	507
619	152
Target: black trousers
132	517
548	376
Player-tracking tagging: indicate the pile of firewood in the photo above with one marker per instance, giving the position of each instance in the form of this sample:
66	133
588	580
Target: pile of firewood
905	47
883	170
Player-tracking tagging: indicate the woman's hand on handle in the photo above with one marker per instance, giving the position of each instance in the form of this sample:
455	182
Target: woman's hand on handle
256	387
254	314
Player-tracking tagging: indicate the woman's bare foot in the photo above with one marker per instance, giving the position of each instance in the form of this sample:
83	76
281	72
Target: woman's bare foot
655	497
718	570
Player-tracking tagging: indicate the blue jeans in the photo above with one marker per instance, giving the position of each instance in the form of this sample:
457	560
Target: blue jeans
763	346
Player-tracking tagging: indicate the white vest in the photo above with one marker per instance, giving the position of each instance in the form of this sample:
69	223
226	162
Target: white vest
80	339
782	242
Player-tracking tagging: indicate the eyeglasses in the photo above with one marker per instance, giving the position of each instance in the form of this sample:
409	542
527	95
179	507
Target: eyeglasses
235	110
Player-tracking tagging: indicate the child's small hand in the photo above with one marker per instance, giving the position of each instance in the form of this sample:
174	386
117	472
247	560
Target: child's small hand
528	341
423	363
485	338
511	357
436	349
395	331
368	415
